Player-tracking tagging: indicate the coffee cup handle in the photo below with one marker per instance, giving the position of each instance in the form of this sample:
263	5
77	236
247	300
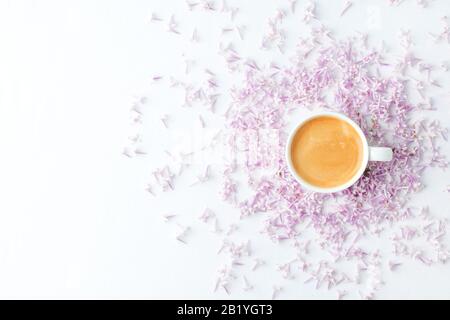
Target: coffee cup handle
380	154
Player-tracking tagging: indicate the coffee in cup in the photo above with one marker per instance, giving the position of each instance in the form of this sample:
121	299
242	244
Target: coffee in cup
328	152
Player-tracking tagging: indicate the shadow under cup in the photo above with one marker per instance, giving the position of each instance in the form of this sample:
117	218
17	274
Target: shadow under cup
326	152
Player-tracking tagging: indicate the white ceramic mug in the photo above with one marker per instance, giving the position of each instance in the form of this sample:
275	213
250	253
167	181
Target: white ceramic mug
369	154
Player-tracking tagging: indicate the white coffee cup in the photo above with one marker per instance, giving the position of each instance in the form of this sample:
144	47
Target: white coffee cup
369	154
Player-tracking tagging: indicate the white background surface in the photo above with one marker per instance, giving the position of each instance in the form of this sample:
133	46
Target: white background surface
75	221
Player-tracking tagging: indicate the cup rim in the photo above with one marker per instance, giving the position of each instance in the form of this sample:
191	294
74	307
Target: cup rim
349	183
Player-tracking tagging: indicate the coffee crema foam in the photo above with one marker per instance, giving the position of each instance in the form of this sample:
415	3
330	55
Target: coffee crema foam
326	152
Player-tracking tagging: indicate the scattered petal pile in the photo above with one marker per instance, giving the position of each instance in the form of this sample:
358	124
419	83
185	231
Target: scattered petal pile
323	74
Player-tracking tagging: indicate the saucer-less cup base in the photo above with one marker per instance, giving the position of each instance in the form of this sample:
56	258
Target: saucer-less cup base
369	154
